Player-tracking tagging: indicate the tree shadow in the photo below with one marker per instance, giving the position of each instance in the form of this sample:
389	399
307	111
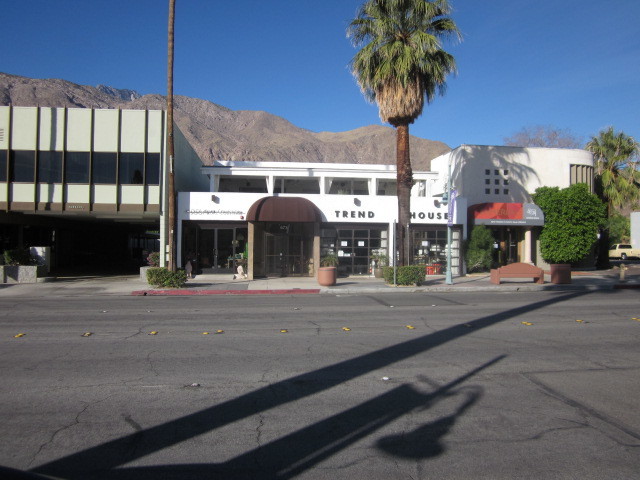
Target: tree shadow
302	449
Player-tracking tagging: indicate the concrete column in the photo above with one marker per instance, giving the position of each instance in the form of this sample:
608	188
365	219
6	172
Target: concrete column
250	236
527	245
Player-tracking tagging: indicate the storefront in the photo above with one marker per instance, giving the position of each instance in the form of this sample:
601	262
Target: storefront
513	226
271	220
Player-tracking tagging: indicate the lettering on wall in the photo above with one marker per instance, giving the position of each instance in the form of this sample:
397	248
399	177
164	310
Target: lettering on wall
214	212
354	214
430	216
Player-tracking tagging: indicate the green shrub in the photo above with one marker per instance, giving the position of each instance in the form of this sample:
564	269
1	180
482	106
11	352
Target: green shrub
161	277
17	257
479	253
572	218
330	260
407	275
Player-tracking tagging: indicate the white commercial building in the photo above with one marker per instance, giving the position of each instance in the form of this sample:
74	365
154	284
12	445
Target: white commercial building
90	184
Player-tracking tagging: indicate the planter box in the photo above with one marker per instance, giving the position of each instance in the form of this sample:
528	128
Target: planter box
19	273
143	274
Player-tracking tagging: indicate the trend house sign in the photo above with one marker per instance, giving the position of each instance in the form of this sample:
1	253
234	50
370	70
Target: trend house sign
525	214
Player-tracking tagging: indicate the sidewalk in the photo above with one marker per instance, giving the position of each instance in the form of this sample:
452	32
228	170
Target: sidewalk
223	284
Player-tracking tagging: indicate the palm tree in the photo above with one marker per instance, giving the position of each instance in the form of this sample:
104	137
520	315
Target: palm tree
170	147
400	66
617	177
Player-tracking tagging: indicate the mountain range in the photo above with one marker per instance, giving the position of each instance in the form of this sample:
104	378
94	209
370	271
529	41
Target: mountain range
218	133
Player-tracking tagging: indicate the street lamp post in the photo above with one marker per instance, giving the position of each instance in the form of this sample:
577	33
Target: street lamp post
448	198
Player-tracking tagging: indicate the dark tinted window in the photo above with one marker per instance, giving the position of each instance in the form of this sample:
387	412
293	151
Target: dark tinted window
50	167
22	165
152	171
3	166
77	167
131	168
104	167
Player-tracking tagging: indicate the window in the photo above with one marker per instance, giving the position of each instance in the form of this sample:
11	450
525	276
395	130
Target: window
496	172
22	165
296	185
487	181
131	168
487	172
77	167
496	181
152	171
505	191
387	188
50	167
487	191
242	184
497	191
3	167
104	167
506	172
505	182
354	247
347	186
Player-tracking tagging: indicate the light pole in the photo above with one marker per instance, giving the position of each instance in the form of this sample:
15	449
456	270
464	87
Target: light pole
448	199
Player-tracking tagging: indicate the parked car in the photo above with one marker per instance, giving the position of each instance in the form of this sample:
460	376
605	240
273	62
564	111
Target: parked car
623	251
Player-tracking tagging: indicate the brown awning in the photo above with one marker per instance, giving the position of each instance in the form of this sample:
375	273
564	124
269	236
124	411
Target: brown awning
283	209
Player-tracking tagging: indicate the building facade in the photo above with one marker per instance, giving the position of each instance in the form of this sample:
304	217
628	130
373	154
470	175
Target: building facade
90	185
494	184
282	218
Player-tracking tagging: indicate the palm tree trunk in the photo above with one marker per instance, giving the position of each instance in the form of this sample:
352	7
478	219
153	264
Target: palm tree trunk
405	182
172	266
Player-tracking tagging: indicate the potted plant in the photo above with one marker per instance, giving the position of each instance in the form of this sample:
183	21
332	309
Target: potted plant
380	260
573	217
328	271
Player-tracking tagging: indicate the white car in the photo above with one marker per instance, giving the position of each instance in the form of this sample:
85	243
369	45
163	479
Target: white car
623	251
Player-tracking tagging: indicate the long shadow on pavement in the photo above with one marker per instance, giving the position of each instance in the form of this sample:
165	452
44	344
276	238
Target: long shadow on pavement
102	461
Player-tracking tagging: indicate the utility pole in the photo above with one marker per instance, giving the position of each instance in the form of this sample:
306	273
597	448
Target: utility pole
170	149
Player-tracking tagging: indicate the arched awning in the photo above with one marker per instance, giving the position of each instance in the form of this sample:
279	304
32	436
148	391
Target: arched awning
283	209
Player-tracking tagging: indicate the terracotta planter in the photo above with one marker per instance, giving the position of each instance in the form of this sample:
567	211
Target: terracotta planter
560	273
327	276
377	272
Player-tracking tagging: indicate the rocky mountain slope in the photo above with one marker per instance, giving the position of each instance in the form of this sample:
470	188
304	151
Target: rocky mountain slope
217	133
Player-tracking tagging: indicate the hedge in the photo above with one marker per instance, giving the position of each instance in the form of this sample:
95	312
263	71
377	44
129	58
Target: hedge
161	277
407	275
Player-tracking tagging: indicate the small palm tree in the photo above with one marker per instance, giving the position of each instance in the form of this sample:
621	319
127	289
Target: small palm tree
617	177
400	66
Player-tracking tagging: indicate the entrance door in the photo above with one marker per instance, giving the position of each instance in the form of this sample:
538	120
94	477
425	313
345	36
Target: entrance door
284	254
216	249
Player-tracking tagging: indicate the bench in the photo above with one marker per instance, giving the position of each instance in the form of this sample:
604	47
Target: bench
517	270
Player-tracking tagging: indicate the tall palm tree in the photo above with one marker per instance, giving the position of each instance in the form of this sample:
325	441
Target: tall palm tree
617	177
172	266
400	66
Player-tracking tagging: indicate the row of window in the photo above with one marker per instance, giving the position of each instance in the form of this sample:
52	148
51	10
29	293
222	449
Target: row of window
334	186
81	167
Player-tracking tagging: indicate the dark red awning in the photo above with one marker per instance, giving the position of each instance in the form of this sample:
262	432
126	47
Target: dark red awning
283	209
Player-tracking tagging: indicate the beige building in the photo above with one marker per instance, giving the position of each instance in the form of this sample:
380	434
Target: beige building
87	183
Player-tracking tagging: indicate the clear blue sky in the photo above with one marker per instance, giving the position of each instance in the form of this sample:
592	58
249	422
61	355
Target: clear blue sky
568	63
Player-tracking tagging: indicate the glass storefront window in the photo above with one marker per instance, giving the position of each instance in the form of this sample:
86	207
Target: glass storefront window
354	247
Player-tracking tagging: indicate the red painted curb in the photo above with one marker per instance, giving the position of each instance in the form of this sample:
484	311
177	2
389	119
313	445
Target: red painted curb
142	293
